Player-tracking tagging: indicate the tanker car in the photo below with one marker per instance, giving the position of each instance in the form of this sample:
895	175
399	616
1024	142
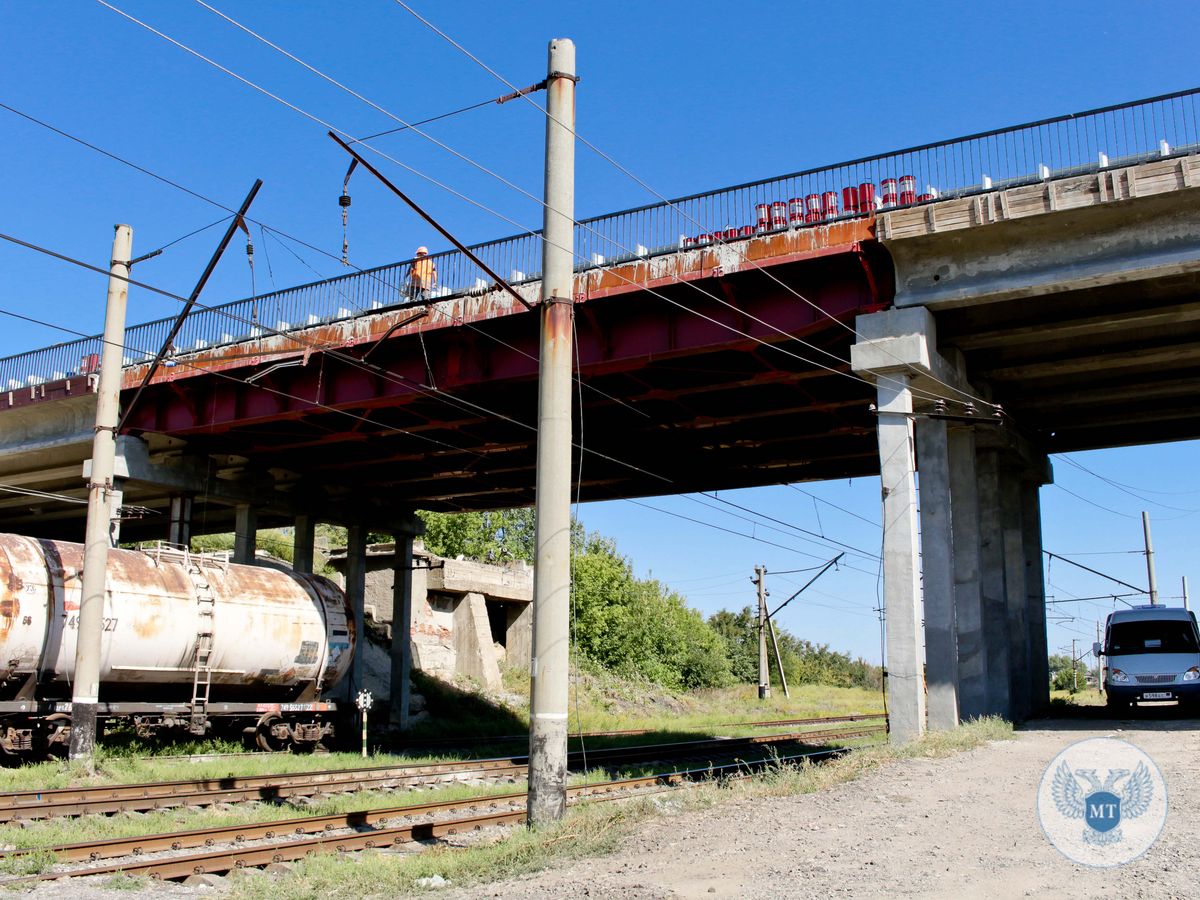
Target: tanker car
190	642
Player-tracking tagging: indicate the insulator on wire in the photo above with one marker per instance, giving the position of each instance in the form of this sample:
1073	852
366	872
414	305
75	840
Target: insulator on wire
344	203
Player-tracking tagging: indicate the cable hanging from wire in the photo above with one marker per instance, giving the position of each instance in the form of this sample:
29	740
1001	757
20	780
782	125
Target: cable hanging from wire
485	170
971	398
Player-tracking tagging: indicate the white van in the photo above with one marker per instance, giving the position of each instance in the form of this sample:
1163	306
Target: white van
1152	653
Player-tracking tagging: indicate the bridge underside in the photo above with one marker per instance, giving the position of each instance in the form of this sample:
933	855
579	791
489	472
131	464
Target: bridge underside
671	402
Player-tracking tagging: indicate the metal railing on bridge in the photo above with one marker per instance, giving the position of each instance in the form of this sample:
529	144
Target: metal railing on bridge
1062	146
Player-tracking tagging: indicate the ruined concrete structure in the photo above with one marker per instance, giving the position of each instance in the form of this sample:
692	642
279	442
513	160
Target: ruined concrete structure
467	617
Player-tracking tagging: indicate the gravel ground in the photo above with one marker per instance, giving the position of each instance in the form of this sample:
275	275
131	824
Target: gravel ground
961	826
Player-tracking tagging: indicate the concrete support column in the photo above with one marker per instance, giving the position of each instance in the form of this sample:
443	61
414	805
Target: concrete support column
356	592
402	600
992	586
968	598
304	538
1016	594
901	583
1035	587
937	574
245	534
179	531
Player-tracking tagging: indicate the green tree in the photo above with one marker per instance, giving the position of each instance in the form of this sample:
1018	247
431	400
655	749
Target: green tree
637	627
1061	677
739	631
496	536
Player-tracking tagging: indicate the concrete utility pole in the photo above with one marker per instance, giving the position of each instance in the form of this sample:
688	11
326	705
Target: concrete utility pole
1185	594
552	572
1099	672
85	693
1150	559
764	672
1074	666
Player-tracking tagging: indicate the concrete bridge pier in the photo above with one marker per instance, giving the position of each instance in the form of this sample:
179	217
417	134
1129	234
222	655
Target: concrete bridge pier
1035	585
179	527
402	610
968	592
304	538
245	533
993	587
937	574
975	579
356	593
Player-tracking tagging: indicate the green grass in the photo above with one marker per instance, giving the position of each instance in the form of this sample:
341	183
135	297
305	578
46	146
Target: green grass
601	701
589	829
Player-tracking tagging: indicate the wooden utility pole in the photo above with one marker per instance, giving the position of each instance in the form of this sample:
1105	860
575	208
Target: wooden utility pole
764	672
85	690
549	666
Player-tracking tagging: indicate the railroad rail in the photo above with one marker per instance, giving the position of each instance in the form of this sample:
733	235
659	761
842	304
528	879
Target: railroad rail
108	799
457	741
293	839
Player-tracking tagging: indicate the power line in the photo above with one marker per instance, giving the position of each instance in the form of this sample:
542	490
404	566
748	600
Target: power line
834	505
1093	503
609	159
1121	487
458	402
864	553
505	181
44	495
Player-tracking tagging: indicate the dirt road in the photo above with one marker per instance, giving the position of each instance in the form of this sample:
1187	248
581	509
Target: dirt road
960	826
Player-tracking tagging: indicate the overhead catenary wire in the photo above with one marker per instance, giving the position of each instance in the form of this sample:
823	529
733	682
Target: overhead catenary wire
274	232
147	354
43	495
149	287
971	398
493	212
292	106
1122	488
461	403
285	101
814	541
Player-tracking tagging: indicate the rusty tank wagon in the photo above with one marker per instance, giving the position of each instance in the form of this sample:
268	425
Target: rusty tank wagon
191	642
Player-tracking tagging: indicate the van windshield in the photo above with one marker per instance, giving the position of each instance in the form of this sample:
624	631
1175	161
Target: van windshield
1152	636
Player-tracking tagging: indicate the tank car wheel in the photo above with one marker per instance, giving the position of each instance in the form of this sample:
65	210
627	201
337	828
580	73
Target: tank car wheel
58	736
271	734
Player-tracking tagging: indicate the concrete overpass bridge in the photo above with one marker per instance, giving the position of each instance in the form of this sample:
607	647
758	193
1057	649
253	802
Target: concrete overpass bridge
1038	295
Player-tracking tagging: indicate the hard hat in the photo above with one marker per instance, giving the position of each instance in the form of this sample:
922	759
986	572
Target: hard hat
421	250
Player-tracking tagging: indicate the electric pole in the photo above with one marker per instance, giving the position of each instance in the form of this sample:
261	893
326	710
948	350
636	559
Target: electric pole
1074	666
1099	672
764	672
552	501
85	691
1185	596
1150	559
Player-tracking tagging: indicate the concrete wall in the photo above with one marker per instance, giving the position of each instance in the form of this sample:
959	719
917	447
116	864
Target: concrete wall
467	616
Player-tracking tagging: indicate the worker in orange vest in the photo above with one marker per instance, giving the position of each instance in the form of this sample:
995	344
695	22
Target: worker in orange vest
422	275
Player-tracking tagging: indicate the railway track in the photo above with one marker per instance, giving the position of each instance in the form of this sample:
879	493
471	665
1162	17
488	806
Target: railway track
251	845
456	741
108	799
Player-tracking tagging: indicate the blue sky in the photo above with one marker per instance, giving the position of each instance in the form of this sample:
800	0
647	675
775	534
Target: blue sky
689	96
